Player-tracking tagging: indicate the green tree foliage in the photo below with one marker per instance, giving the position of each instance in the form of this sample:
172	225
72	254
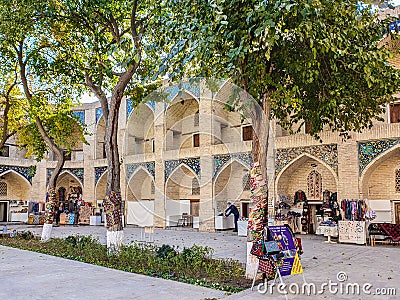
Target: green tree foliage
28	50
312	61
108	47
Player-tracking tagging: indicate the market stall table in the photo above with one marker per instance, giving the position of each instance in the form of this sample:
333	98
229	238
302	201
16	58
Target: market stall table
328	231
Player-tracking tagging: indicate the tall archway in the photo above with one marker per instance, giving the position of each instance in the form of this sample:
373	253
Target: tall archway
139	137
14	197
100	189
181	121
18	188
380	182
312	176
100	134
228	185
179	194
140	199
71	187
295	175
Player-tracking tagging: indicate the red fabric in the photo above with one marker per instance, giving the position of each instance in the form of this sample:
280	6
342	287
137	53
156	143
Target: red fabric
266	266
392	230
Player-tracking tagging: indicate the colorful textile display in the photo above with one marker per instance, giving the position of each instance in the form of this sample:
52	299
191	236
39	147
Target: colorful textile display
354	209
258	212
50	204
391	230
112	205
84	214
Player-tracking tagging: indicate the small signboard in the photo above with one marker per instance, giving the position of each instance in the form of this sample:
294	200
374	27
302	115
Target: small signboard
286	242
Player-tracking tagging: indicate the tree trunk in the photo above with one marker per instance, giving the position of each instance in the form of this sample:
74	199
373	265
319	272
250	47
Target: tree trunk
51	201
113	202
259	179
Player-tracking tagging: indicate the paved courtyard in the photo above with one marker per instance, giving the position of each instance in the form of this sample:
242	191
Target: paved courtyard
27	275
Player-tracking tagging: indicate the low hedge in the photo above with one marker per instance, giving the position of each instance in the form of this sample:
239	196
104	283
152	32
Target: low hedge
193	265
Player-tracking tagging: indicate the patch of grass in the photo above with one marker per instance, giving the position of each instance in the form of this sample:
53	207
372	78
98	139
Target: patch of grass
193	265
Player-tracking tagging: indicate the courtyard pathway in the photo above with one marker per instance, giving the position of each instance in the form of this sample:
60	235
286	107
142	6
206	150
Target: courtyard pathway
21	276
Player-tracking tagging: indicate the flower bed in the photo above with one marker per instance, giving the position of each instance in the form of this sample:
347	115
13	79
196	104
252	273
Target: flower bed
192	265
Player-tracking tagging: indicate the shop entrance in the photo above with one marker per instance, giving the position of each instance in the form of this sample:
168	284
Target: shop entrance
3	211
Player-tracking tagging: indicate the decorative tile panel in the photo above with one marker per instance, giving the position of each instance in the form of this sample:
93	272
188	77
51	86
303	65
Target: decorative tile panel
131	168
368	151
26	172
223	159
80	114
151	104
99	113
98	172
77	172
326	153
129	108
193	163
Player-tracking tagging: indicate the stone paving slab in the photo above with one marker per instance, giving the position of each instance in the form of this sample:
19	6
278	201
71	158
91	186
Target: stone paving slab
29	275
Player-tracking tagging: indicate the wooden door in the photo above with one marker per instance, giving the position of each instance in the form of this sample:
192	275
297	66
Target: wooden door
397	212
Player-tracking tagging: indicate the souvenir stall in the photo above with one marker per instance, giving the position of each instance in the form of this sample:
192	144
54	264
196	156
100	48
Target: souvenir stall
352	228
79	214
36	212
328	216
18	211
289	212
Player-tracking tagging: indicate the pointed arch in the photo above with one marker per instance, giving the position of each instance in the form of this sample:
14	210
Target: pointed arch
228	163
137	170
294	176
139	133
139	185
15	173
391	155
100	186
307	155
181	165
228	184
63	172
17	189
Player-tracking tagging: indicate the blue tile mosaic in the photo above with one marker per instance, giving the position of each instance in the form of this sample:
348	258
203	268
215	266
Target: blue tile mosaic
131	168
151	104
81	115
193	163
99	113
129	108
98	171
26	172
368	151
326	153
220	161
77	172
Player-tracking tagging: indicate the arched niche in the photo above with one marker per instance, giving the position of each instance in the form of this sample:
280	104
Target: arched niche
140	199
100	134
101	186
139	137
18	187
70	185
378	181
229	185
295	175
181	122
180	194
